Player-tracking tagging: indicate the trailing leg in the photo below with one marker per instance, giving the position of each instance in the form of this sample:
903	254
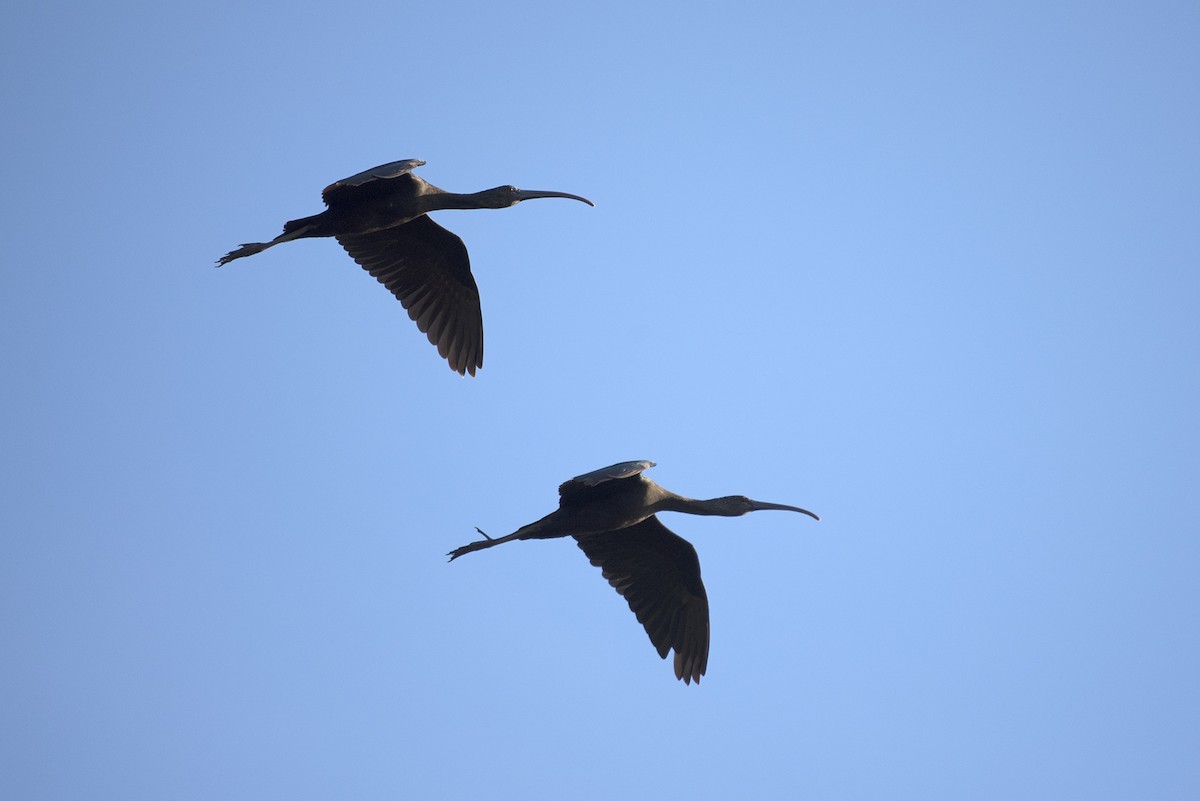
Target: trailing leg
295	229
542	529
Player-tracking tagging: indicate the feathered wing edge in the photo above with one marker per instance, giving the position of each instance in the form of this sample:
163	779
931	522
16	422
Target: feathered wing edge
428	270
658	574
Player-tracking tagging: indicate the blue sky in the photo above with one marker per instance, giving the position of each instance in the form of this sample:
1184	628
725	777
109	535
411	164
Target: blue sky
927	269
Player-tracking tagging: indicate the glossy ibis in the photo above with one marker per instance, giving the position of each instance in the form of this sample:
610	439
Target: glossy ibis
379	217
611	513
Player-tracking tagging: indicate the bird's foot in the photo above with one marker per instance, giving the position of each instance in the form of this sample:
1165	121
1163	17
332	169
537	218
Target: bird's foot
248	249
486	542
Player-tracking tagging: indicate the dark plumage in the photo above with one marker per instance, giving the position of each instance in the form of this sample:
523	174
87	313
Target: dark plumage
379	217
611	513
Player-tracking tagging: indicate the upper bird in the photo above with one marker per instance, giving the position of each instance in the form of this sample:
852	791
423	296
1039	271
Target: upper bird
611	514
379	217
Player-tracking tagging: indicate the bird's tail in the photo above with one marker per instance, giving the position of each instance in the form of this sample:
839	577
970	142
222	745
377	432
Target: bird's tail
302	226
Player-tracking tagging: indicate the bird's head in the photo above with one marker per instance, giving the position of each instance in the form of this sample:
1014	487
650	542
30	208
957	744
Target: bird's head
504	196
738	505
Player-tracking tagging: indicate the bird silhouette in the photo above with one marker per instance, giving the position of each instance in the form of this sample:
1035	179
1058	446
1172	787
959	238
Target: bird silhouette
612	514
379	217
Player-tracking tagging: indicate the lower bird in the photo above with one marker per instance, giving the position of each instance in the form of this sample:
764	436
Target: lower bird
379	217
612	514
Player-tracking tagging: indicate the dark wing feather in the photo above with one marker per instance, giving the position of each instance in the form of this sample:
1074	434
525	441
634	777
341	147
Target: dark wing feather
427	268
339	191
569	490
658	573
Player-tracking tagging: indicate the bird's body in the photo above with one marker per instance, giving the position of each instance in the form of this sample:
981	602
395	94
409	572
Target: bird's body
378	216
611	513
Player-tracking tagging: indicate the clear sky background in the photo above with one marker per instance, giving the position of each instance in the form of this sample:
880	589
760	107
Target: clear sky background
929	269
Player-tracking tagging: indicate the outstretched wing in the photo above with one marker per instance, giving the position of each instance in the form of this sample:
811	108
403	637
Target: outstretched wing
658	573
427	268
393	169
569	489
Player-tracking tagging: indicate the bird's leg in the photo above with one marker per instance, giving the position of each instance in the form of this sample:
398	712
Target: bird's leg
297	231
533	531
248	249
488	542
472	546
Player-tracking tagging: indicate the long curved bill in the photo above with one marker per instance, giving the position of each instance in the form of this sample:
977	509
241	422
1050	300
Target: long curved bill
530	194
758	506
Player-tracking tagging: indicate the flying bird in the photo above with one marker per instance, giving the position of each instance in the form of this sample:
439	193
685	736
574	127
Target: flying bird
379	217
612	514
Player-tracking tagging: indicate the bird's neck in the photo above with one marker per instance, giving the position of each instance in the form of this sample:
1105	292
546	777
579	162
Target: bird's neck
692	506
454	200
